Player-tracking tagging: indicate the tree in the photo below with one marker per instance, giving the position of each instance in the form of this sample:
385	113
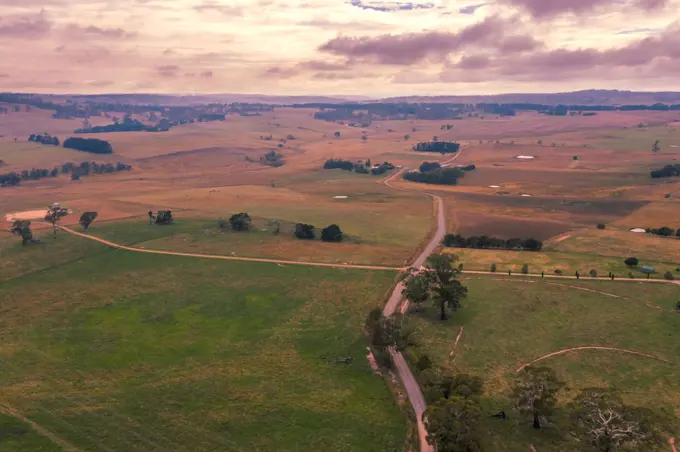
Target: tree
417	289
669	276
535	392
593	273
55	213
86	219
336	134
446	290
240	221
493	268
631	262
22	228
453	425
525	269
601	226
363	137
406	137
275	227
656	146
467	386
606	424
304	231
332	233
164	217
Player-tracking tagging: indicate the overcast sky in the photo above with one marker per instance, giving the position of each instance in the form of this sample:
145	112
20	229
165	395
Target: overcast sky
364	47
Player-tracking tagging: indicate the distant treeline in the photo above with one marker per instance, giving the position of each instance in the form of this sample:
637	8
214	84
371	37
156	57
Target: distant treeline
431	166
444	147
44	139
92	145
484	242
663	231
76	172
358	167
384	111
128	125
439	176
666	171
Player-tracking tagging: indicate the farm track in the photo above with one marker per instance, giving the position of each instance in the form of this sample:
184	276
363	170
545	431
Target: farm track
574	349
39	429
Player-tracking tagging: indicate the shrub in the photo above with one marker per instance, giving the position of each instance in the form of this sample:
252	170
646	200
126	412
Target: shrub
593	273
332	233
558	271
304	231
460	267
493	268
525	269
632	261
601	226
631	275
669	276
423	363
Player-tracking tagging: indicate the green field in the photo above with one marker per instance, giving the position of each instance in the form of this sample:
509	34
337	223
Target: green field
509	323
114	350
641	139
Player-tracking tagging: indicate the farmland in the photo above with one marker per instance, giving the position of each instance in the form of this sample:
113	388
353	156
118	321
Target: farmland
136	351
547	317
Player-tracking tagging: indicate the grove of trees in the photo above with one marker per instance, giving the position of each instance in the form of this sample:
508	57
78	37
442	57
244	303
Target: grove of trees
76	171
45	138
92	145
441	176
358	167
443	147
484	242
666	171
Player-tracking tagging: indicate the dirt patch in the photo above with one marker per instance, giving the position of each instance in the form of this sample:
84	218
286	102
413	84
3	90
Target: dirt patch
26	215
506	227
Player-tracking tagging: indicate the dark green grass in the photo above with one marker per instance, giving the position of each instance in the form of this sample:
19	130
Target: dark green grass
124	351
509	323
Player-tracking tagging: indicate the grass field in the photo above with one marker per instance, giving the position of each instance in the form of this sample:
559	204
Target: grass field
120	351
547	317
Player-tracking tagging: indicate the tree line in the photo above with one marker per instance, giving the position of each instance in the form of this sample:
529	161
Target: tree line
484	242
666	171
443	147
438	176
44	138
663	231
359	167
76	170
92	145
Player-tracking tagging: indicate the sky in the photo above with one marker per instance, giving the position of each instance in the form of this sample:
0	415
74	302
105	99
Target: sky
338	47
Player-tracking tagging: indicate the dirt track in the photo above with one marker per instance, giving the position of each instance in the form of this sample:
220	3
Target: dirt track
573	349
39	429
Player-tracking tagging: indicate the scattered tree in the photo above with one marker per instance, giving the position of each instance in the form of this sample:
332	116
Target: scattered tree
525	269
406	137
601	226
535	392
304	231
446	289
593	273
669	276
22	228
606	424
86	219
164	217
332	233
336	134
493	268
632	262
240	221
55	213
656	146
453	425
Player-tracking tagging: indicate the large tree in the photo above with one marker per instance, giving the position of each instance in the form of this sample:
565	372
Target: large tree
332	233
446	289
535	392
22	228
607	425
417	289
240	221
55	213
304	231
453	425
87	218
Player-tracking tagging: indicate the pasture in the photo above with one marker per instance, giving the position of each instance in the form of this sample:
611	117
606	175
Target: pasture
508	323
114	350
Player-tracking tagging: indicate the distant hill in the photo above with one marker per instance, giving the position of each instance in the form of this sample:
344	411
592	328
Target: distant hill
587	97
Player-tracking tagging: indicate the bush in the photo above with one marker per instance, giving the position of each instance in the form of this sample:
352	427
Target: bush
240	221
332	233
601	226
631	275
424	363
92	145
669	276
382	358
493	268
525	269
460	267
304	231
558	271
632	261
593	273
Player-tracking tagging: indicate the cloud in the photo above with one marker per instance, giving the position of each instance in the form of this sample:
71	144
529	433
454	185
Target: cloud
30	26
550	8
168	70
413	48
471	9
214	7
75	31
634	31
100	83
303	67
390	6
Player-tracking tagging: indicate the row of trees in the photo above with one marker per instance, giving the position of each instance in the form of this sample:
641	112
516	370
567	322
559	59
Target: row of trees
484	242
664	231
359	167
45	138
439	176
92	145
443	147
242	222
76	170
666	171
